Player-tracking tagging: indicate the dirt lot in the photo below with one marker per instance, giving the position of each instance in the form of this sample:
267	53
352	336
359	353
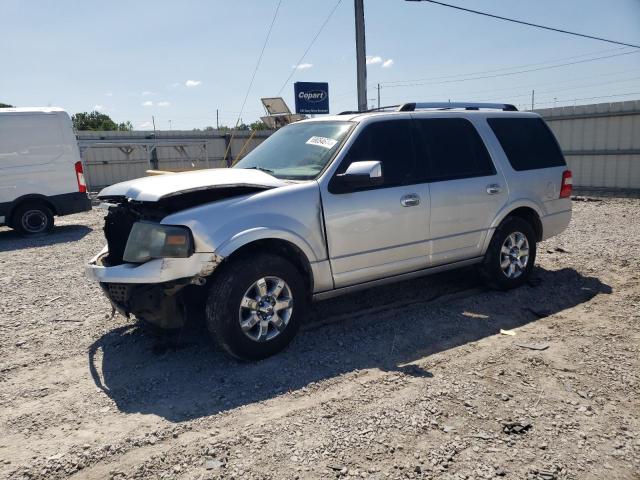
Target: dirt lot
407	381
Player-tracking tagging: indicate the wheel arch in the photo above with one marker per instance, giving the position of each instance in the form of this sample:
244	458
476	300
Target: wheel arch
527	211
276	245
31	197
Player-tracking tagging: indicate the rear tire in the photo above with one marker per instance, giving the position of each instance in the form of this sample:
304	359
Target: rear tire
255	306
511	254
32	219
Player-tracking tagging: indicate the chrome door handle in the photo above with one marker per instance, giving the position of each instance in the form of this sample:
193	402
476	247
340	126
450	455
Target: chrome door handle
410	200
493	188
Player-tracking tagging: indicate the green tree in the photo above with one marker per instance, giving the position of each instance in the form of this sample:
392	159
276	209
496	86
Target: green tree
5	105
98	121
258	125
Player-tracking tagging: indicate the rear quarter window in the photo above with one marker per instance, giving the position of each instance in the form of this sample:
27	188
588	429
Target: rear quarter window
527	142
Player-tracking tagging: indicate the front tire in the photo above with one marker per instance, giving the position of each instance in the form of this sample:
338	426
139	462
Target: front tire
33	219
511	254
255	306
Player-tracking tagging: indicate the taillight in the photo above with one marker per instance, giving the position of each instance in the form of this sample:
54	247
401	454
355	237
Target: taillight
567	184
82	185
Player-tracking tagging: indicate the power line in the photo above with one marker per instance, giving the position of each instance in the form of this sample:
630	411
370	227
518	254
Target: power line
526	65
310	45
402	83
538	84
559	30
255	71
593	98
507	73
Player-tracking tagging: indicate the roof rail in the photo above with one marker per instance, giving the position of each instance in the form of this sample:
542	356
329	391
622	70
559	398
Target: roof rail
353	112
410	107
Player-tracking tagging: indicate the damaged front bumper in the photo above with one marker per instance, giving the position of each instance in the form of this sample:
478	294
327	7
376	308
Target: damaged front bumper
150	290
158	270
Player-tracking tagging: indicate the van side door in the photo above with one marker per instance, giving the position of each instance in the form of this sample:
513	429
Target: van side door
379	231
466	189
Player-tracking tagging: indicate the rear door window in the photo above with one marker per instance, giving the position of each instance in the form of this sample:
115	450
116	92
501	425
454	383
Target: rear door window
451	148
389	142
527	142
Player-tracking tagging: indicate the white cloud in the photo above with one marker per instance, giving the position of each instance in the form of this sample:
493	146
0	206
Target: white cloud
148	103
146	93
98	108
303	66
387	63
175	84
192	83
163	104
109	94
373	60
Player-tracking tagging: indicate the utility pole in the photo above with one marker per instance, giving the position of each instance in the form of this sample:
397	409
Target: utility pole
378	95
533	98
169	125
361	64
217	122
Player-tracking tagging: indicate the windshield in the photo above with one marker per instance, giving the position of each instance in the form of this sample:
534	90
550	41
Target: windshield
299	151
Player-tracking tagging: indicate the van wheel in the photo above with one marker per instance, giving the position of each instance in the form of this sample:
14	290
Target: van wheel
255	306
511	254
33	219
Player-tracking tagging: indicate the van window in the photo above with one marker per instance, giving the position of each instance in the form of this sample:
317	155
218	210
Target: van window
527	142
451	148
29	140
389	142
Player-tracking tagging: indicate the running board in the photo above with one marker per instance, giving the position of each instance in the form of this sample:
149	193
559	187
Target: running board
395	278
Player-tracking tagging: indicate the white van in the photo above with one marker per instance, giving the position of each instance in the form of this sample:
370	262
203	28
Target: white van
41	173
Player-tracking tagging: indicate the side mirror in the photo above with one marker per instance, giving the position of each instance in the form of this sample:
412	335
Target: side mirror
362	175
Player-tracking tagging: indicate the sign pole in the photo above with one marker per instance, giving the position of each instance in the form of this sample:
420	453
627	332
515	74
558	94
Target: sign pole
361	61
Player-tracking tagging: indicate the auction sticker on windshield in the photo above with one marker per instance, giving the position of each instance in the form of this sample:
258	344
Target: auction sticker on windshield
322	142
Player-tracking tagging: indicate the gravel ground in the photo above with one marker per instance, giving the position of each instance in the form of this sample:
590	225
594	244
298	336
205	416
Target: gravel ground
413	380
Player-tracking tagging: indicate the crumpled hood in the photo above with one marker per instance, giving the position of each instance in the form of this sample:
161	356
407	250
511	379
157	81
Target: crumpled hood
155	188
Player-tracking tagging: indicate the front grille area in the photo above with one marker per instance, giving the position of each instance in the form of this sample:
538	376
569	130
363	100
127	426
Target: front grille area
119	292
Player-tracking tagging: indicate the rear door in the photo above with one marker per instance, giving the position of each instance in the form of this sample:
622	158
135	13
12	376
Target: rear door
381	231
466	189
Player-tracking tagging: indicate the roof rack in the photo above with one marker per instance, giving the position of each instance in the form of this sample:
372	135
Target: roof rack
410	107
354	112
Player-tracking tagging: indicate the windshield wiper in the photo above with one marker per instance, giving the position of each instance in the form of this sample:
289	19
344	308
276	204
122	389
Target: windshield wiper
265	170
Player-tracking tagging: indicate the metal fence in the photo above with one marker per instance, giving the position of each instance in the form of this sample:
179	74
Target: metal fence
112	157
601	143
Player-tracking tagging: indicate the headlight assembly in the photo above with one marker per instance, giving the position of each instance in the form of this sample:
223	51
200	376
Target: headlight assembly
152	240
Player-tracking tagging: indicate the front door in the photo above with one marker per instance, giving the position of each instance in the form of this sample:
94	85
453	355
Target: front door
381	231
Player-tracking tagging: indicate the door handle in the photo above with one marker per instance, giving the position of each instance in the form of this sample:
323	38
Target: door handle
410	200
493	188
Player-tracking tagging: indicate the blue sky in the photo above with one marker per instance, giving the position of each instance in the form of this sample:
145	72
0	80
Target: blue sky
180	61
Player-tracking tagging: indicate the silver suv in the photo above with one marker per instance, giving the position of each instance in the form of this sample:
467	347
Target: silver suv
329	206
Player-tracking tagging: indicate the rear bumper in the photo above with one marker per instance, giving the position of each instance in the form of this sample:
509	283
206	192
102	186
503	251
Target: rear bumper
555	223
69	203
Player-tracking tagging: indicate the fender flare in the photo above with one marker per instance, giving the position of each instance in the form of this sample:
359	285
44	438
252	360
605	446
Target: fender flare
245	237
504	213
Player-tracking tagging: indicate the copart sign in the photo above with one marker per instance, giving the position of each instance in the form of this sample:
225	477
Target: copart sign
311	97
